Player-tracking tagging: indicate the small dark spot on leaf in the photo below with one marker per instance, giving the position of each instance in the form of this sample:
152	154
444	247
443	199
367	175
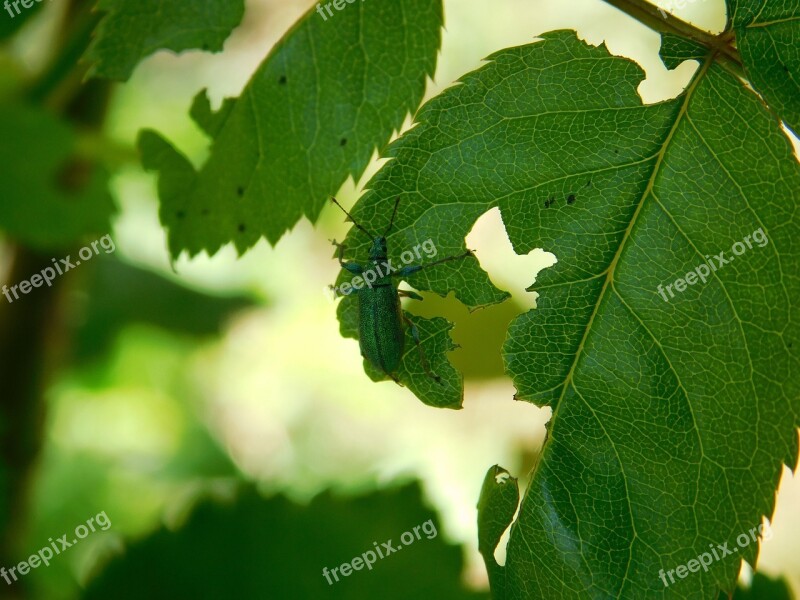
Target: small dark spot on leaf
282	80
74	175
571	199
205	47
180	214
343	142
549	202
242	228
240	191
616	151
589	183
785	68
790	344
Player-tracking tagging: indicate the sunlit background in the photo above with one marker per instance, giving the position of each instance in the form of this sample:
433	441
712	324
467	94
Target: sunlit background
158	418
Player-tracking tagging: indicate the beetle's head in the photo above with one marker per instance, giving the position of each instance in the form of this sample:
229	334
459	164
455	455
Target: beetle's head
378	249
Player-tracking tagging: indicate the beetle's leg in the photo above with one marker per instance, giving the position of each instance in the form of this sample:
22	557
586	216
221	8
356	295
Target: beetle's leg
409	294
352	267
389	375
395	379
415	336
405	271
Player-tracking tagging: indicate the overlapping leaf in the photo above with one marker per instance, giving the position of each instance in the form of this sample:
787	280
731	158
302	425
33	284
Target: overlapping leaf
132	30
330	93
768	37
671	417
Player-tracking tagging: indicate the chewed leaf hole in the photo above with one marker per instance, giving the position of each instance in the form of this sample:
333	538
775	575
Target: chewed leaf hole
508	270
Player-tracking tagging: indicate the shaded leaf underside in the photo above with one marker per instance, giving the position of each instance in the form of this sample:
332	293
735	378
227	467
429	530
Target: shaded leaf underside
325	98
671	418
132	30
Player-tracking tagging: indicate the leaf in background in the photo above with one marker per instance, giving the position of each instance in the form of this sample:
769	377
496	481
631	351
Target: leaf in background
259	548
671	419
132	30
325	98
118	295
50	197
768	37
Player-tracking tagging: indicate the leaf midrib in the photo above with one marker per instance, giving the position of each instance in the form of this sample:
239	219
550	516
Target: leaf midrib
569	379
626	236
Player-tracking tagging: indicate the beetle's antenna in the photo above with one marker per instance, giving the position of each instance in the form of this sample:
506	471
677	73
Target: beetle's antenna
349	216
394	214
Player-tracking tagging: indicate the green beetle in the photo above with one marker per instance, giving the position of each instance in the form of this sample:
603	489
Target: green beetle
381	334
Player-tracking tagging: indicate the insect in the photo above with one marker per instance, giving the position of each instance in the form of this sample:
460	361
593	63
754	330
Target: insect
381	320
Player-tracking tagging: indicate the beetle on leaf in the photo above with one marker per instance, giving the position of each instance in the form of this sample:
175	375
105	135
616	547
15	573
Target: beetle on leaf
381	333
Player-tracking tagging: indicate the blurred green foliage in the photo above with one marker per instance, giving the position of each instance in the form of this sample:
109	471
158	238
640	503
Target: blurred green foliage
272	548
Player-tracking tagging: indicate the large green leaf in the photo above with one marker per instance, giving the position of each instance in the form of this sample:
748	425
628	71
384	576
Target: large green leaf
671	419
329	94
51	197
768	37
132	30
274	549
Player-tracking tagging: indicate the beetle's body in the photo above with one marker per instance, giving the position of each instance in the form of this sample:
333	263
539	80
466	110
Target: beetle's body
380	325
381	334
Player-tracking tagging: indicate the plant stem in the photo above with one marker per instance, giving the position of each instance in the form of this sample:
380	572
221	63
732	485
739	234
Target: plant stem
664	22
29	335
33	329
97	147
